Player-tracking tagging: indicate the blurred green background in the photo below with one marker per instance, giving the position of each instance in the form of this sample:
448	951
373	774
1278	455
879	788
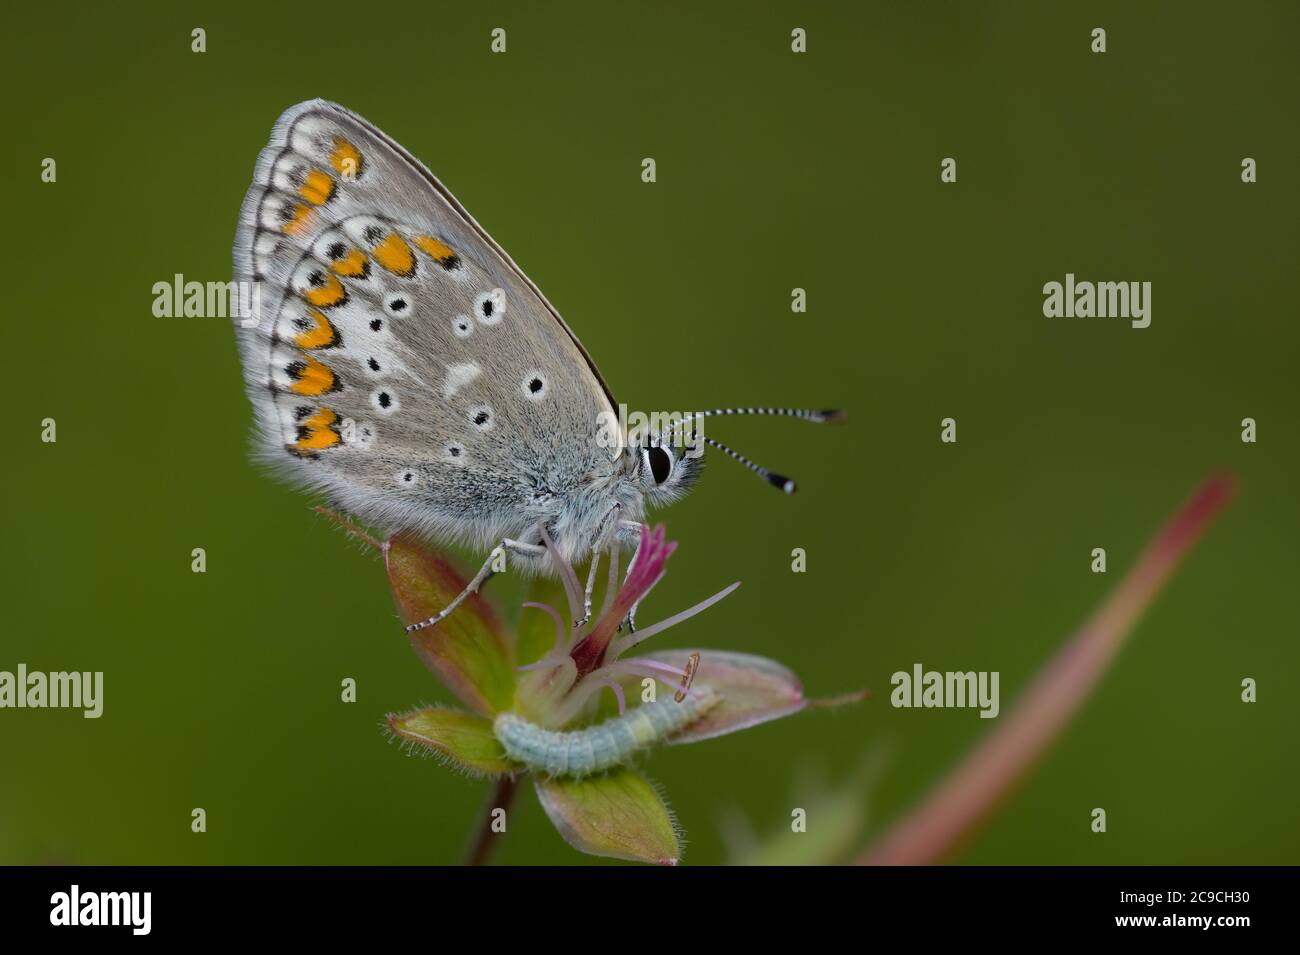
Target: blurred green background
775	171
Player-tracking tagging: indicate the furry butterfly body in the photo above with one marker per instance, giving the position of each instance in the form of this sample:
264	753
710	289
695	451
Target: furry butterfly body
402	364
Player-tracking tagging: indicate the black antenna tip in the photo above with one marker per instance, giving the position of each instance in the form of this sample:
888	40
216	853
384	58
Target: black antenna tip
834	415
782	482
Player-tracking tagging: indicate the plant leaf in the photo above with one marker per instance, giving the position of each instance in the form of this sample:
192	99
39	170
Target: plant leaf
468	651
462	740
754	690
618	815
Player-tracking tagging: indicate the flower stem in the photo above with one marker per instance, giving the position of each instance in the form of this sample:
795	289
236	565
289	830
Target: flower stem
934	830
485	841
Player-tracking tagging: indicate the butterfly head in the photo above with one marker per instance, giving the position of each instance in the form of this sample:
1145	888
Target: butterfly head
665	464
665	467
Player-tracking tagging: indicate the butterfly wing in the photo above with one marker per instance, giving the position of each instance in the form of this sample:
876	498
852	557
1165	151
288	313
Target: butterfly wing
398	360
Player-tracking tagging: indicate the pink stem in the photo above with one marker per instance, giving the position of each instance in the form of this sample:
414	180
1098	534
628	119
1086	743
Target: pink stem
560	634
624	644
572	589
654	665
618	695
955	808
656	675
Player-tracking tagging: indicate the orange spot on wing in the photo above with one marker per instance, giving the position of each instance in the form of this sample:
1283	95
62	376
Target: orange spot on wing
346	159
440	252
322	335
317	188
395	255
351	264
319	440
318	433
315	378
321	419
327	295
298	220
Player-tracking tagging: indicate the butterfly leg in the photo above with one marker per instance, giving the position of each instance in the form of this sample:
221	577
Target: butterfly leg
595	564
591	586
485	573
630	532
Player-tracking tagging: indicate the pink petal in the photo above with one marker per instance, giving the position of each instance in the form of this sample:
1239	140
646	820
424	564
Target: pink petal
754	690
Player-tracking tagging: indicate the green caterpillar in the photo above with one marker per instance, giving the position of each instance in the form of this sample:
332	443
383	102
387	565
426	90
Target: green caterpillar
600	747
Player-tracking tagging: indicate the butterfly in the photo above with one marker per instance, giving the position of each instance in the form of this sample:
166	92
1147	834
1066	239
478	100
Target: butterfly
401	364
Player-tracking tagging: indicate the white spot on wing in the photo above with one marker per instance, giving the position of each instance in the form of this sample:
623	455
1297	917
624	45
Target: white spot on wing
312	136
490	307
533	386
458	376
397	304
264	247
385	400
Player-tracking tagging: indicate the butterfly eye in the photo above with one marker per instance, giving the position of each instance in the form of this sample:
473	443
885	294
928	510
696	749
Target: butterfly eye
660	463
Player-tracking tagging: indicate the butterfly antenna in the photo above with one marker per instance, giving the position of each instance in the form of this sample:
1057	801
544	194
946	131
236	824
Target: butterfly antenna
829	416
776	480
771	477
